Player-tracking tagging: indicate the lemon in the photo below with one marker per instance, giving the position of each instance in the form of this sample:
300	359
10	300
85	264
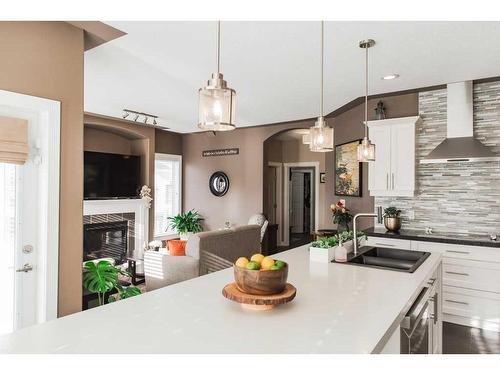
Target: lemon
252	265
242	262
257	258
280	264
266	263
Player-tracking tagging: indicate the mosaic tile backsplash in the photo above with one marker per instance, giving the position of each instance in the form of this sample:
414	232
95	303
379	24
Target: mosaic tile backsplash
455	197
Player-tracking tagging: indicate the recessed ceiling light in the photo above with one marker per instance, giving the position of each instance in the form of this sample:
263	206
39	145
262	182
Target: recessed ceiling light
390	76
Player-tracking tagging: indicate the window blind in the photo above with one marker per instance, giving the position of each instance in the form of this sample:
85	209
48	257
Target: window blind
13	140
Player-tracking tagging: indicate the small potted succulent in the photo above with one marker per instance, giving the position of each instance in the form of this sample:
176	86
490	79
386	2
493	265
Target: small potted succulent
187	223
347	239
323	250
392	219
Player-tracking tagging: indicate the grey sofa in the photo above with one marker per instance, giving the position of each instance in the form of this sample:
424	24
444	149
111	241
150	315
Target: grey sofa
205	252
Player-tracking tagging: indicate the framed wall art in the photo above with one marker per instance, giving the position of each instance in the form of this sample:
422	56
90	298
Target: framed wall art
348	170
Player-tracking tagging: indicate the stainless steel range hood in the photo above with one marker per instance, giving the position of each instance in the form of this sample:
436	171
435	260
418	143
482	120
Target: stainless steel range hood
460	144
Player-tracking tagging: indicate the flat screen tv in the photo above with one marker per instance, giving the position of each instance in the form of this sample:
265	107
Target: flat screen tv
111	176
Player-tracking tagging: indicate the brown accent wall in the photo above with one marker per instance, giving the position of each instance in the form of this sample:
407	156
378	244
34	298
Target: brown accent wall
348	127
245	171
45	59
168	142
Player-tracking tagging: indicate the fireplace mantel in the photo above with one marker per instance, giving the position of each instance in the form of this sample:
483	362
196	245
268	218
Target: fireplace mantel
116	206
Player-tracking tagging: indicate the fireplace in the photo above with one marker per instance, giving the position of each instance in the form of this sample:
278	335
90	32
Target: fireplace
106	240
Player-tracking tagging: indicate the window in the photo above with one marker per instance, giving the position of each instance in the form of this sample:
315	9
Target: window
167	198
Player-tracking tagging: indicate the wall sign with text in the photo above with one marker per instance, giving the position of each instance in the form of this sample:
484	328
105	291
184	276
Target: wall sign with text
221	152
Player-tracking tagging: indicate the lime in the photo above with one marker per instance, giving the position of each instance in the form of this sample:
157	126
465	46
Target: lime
252	265
274	267
280	264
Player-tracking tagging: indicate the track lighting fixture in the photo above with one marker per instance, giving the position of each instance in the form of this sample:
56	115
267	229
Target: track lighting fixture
145	117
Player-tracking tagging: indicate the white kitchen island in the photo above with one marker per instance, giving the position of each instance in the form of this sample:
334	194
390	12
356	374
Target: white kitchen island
338	309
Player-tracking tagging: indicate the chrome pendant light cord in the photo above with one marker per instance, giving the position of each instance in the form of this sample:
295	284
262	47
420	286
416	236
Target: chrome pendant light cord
366	91
322	65
218	47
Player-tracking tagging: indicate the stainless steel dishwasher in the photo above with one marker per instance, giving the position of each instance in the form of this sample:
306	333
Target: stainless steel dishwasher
419	328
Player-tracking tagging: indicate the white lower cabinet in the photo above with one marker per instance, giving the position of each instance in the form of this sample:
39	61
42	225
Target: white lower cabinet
471	283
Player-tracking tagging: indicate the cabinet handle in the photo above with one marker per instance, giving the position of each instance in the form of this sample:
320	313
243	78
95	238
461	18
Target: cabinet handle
457	273
384	244
431	281
387	181
435	300
459	302
392	181
457	252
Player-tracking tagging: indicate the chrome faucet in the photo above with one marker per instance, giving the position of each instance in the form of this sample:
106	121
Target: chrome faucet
378	215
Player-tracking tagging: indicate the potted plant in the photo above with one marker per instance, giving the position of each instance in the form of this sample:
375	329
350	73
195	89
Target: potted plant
323	250
102	277
347	239
392	219
341	216
185	224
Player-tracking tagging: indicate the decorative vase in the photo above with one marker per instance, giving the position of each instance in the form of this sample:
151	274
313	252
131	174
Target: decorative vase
392	224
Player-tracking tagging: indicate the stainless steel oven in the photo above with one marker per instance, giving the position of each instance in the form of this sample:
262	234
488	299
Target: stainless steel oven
417	325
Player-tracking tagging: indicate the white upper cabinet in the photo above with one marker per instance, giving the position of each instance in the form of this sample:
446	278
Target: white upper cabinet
393	171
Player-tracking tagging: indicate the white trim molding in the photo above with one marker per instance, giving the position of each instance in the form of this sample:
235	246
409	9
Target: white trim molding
45	115
286	208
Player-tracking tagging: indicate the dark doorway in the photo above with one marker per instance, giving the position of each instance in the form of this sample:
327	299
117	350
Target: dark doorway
301	205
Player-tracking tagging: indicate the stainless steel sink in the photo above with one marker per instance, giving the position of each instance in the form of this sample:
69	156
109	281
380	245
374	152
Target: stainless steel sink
388	259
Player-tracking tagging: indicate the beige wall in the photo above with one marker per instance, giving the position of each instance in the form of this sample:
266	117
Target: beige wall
246	193
45	59
292	151
102	141
245	172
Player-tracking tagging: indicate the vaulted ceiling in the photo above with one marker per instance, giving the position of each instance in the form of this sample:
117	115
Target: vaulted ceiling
158	67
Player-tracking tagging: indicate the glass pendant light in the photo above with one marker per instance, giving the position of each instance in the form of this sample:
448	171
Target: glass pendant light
321	135
217	102
366	150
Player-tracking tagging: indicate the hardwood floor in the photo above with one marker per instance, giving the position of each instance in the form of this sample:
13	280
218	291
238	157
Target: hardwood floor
458	339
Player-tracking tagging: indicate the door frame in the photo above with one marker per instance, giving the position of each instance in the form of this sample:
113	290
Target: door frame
279	199
286	205
46	151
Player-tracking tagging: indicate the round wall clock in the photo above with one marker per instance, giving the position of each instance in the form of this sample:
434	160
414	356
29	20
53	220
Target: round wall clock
219	184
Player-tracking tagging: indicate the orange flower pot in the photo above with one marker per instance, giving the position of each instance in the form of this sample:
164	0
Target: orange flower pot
177	247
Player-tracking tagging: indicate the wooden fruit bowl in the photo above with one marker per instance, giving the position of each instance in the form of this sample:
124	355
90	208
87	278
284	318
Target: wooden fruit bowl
255	302
261	282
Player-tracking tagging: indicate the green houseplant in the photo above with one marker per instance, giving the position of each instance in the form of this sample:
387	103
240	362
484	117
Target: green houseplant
392	219
102	277
189	222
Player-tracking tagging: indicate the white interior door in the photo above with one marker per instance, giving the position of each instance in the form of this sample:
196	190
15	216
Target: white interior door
18	244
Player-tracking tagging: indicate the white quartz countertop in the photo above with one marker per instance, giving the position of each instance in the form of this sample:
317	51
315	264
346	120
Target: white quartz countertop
338	309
